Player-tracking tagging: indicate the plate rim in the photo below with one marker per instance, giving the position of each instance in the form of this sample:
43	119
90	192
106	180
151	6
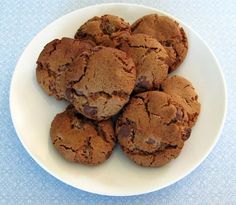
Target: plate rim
152	189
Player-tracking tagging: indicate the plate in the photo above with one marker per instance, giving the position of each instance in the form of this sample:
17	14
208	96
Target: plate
32	112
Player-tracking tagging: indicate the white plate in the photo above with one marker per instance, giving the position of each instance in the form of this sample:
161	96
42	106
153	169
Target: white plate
32	112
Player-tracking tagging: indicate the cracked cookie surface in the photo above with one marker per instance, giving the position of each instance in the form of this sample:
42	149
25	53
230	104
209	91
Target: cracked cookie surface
183	91
168	33
82	140
100	29
150	59
100	82
52	62
152	128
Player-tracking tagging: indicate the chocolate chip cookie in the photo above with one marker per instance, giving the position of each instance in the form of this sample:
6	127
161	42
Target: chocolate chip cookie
100	82
183	91
150	59
82	140
100	29
152	128
54	59
168	33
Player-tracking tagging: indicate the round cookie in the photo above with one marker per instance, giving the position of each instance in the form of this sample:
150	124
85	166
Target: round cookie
149	57
152	129
54	59
100	29
183	91
168	33
100	82
82	140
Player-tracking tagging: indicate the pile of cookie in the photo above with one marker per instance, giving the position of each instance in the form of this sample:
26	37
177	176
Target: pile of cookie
115	77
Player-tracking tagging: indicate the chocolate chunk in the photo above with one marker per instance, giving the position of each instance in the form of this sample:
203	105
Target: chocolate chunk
143	83
186	133
108	28
166	43
68	94
89	110
151	141
124	131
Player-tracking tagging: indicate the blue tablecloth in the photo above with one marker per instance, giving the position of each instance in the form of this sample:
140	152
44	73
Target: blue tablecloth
22	181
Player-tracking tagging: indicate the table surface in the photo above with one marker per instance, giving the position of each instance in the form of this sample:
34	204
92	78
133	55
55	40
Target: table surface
22	181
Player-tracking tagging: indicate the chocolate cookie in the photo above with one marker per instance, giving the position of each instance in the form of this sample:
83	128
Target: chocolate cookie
100	29
81	140
149	57
54	59
183	91
151	129
168	33
100	81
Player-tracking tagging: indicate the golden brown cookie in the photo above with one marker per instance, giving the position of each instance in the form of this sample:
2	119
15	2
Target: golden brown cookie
183	91
100	29
152	128
168	33
150	59
100	82
82	140
54	59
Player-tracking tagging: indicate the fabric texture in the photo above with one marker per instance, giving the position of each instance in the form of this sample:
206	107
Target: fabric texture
22	181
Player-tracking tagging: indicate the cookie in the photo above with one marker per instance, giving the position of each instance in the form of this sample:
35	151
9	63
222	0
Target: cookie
100	29
54	59
100	82
168	33
82	140
150	59
151	129
183	92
